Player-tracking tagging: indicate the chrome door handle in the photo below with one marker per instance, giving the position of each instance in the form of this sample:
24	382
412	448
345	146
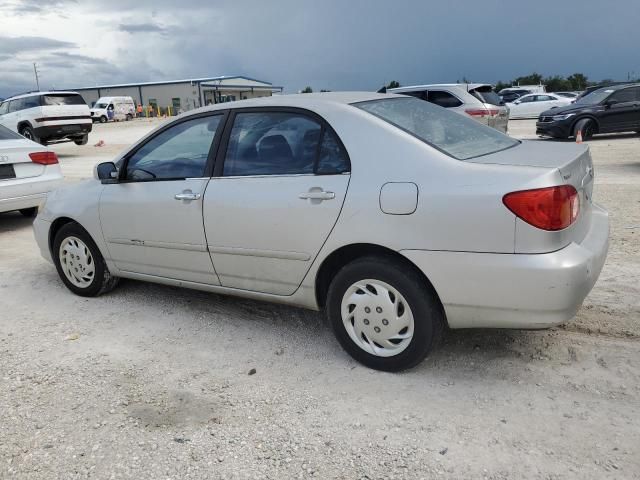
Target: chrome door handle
187	196
317	195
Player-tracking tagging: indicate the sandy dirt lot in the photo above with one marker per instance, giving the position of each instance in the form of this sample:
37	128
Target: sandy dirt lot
152	382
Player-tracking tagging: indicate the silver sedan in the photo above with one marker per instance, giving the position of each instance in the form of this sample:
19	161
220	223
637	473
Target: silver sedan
396	216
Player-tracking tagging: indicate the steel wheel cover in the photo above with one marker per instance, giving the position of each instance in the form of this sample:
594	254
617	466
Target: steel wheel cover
377	318
77	262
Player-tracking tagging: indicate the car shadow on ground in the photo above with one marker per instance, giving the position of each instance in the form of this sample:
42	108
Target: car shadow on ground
12	221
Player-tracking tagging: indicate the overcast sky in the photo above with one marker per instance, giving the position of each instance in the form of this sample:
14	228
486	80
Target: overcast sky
332	44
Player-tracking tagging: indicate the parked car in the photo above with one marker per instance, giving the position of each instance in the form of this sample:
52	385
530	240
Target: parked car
113	108
477	100
530	106
606	110
396	216
27	173
48	117
572	95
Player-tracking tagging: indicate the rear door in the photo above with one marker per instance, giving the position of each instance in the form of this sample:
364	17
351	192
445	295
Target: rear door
624	115
277	192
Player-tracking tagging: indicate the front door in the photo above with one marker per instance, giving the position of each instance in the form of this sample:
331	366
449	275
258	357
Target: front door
152	219
274	200
623	115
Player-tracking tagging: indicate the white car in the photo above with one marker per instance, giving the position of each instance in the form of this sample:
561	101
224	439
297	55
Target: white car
532	105
27	173
396	216
48	117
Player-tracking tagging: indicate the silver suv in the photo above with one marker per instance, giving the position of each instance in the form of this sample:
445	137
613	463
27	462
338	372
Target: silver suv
477	100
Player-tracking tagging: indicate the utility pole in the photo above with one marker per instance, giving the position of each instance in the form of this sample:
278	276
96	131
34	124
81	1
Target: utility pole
35	71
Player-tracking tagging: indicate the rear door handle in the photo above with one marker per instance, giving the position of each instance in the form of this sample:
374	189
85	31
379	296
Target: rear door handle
187	195
317	195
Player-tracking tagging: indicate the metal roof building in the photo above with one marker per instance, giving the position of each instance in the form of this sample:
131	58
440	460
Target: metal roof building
186	94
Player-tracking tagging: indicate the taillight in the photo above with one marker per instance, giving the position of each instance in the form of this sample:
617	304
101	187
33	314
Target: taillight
44	158
482	112
551	208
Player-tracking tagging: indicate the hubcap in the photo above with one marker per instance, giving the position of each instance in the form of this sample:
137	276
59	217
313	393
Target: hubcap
377	318
26	134
76	262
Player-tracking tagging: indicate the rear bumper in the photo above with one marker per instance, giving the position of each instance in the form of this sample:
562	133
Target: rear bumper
18	203
553	129
26	193
486	290
62	132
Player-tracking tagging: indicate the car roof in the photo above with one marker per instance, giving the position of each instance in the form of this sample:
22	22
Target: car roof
301	100
33	94
619	86
465	86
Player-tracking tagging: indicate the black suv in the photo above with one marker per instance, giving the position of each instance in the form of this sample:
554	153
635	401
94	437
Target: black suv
611	109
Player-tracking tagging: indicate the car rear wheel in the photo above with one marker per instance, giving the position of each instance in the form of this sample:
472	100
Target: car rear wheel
586	126
79	262
29	212
384	315
82	140
28	133
129	117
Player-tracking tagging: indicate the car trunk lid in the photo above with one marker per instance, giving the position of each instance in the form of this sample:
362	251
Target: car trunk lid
15	162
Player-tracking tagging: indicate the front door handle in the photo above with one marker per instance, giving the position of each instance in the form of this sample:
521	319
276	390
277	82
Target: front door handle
317	195
187	196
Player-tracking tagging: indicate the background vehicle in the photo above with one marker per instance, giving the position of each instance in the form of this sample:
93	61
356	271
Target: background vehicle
477	100
572	95
509	95
530	106
407	217
610	109
113	108
27	172
48	117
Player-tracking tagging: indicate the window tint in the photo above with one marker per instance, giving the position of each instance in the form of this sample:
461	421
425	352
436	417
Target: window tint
6	134
4	108
179	152
272	143
30	102
421	94
15	105
333	159
63	99
527	98
626	95
486	95
454	134
444	99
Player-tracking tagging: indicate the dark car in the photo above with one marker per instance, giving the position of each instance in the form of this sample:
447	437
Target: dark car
607	110
508	96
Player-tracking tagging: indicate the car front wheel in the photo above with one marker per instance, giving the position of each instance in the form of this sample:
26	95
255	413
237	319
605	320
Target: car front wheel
383	314
79	262
586	126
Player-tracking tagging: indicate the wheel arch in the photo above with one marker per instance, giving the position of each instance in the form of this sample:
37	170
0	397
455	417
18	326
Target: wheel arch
24	123
582	117
348	253
56	225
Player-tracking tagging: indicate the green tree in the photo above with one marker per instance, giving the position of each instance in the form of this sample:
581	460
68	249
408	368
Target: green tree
578	81
393	84
500	85
533	79
307	89
557	84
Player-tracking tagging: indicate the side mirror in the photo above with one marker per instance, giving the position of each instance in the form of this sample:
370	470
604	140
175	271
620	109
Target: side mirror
610	103
517	102
107	172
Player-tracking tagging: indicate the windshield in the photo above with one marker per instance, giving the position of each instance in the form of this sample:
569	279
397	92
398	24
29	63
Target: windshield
595	97
454	134
63	99
6	134
101	105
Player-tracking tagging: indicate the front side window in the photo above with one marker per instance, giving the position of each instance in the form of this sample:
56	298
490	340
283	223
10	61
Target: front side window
179	152
444	99
526	98
455	135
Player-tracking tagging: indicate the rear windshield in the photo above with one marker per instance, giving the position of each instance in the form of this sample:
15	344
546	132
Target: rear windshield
452	133
486	95
6	134
63	99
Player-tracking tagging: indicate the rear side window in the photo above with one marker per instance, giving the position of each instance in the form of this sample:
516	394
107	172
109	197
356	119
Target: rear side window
30	102
421	94
63	99
6	134
15	105
444	99
457	136
333	159
486	95
626	95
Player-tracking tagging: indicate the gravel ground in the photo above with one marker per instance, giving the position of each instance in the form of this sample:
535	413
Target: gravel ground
158	382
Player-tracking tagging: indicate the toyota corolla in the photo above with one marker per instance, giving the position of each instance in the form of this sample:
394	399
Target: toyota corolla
395	216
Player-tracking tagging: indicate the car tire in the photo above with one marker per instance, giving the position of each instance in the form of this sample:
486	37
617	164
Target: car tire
79	262
83	141
103	119
28	133
29	212
586	126
405	318
129	117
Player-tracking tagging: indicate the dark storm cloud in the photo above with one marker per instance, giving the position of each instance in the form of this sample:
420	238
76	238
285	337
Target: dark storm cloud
75	58
141	28
13	45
